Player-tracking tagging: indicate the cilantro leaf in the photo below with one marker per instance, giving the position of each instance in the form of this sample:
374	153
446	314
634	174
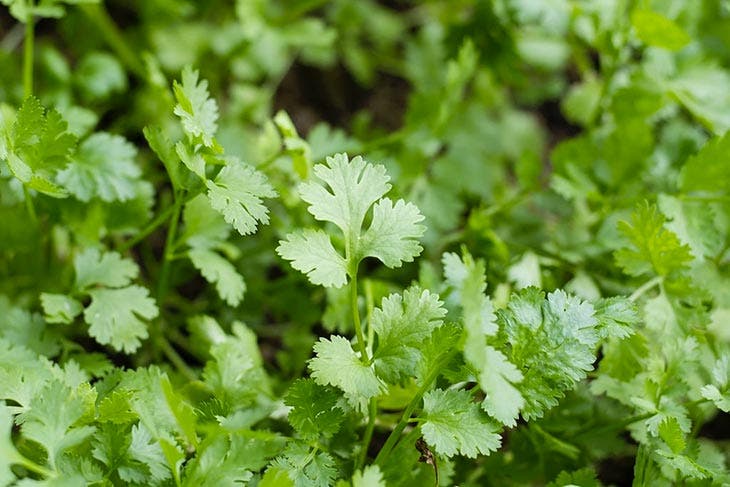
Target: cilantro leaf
402	323
51	418
393	234
347	191
371	476
498	378
354	186
315	409
115	316
8	454
337	364
654	249
197	111
59	308
655	29
107	269
311	252
552	343
217	270
306	469
453	424
24	11
237	193
36	146
103	167
707	170
719	390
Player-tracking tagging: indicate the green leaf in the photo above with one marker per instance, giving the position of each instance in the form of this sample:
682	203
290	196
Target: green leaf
115	316
311	252
315	409
100	75
24	10
51	419
402	323
103	167
204	226
672	434
237	194
654	249
719	390
393	233
107	269
59	308
371	476
584	477
37	146
453	424
197	111
497	378
8	454
165	151
552	343
707	170
654	29
354	185
217	270
306	469
336	363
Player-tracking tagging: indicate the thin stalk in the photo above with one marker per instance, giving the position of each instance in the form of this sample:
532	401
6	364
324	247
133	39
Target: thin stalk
395	434
28	91
372	414
29	205
146	231
28	57
175	358
644	288
356	319
167	254
99	17
369	305
35	468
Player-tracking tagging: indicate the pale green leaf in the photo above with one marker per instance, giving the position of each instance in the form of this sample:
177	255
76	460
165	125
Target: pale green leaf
654	29
107	269
402	323
216	270
393	233
59	308
707	170
503	401
103	167
370	476
653	248
354	186
116	316
336	363
311	252
198	112
237	194
454	424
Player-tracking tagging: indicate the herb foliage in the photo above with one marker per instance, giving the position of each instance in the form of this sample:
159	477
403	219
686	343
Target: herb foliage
521	279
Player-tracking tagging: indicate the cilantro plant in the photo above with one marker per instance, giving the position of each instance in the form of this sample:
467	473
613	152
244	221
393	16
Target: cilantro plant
358	244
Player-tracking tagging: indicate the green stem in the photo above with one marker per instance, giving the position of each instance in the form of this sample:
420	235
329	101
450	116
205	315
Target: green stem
644	288
28	91
167	254
395	434
154	224
28	58
356	318
372	414
29	205
35	468
369	304
99	17
175	358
